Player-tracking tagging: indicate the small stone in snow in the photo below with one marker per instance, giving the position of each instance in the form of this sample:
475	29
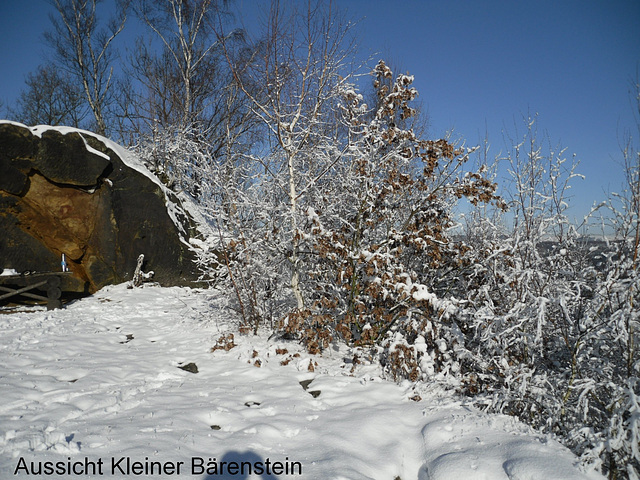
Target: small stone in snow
305	383
189	367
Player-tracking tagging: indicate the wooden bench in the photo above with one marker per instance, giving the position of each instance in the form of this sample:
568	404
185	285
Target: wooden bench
23	284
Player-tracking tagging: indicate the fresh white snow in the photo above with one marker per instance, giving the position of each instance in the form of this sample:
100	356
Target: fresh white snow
97	385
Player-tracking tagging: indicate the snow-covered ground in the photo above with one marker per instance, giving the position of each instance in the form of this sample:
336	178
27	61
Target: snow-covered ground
95	390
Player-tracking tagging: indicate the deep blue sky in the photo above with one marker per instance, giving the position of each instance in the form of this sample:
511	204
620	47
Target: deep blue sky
479	65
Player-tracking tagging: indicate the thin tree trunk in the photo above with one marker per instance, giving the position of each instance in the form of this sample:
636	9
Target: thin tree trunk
295	278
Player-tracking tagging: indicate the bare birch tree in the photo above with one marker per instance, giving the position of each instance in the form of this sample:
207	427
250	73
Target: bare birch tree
292	83
86	52
186	73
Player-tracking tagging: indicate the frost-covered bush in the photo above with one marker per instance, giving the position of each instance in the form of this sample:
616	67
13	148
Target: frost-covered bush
554	316
179	156
382	266
346	236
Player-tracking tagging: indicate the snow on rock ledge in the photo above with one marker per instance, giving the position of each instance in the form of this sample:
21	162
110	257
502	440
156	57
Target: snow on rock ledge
69	191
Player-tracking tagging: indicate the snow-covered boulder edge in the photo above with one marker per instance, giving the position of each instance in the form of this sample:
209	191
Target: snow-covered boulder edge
72	192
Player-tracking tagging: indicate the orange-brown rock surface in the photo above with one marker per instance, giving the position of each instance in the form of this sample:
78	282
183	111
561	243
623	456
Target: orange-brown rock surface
67	191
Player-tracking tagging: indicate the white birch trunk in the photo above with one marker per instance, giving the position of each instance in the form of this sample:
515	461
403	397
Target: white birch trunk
295	279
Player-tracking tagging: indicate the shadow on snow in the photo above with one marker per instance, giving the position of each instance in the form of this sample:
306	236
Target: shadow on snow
248	464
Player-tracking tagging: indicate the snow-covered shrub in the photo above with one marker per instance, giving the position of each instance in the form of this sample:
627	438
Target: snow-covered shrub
383	268
554	329
178	156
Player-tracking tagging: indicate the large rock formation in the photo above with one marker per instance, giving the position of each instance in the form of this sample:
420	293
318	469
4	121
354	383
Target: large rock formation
67	191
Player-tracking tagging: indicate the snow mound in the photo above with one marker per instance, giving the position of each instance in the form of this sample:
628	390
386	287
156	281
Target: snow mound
466	444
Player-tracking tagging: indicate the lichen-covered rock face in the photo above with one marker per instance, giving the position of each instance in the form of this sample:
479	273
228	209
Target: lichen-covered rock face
68	191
